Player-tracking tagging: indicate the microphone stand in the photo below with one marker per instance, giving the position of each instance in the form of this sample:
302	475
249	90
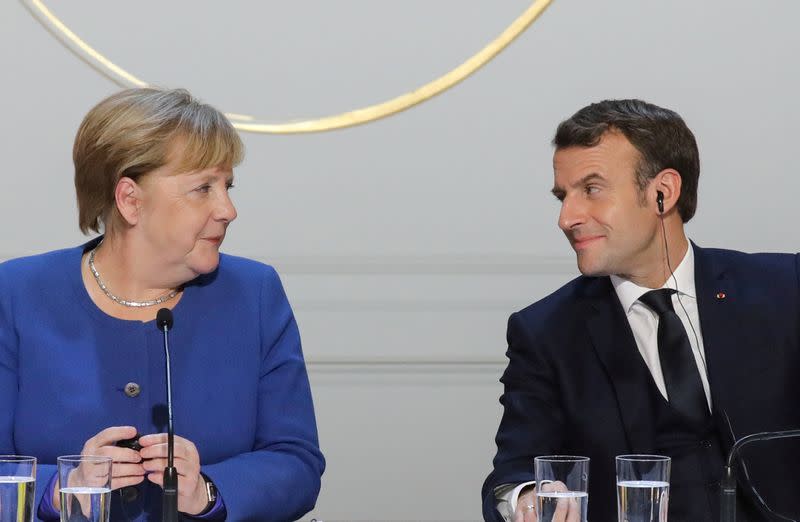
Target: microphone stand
728	489
169	507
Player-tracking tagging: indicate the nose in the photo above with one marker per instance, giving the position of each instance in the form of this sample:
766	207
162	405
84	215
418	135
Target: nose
225	210
573	214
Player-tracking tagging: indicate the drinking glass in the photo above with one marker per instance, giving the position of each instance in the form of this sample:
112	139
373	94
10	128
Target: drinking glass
642	488
84	483
17	485
561	488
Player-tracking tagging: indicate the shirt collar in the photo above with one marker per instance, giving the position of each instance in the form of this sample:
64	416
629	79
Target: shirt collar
629	292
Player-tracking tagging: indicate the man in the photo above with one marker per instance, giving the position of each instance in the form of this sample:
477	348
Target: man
606	366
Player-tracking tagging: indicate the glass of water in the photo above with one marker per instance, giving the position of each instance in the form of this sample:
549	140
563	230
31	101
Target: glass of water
561	487
17	484
642	488
84	483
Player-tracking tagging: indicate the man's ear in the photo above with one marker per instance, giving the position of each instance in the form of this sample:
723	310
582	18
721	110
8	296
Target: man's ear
668	183
127	197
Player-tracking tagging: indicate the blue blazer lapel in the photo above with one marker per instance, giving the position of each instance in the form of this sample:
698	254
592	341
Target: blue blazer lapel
614	344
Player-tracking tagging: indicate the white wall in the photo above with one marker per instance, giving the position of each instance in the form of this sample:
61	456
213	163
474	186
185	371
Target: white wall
405	244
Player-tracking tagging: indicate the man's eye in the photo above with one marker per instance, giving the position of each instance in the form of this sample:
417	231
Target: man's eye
592	189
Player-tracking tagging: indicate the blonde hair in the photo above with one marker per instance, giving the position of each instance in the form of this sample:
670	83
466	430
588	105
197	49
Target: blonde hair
131	133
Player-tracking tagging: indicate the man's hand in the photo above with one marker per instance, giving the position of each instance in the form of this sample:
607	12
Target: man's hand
567	509
192	497
526	505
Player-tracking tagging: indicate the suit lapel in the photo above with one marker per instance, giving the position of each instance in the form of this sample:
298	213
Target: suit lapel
722	320
614	344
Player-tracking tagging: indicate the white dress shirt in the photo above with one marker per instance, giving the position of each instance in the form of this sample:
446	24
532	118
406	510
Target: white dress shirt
644	324
644	321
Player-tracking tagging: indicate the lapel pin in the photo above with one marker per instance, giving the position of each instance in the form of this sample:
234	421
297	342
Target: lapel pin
721	295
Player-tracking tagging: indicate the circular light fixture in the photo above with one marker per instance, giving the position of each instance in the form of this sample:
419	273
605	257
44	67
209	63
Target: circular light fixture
247	123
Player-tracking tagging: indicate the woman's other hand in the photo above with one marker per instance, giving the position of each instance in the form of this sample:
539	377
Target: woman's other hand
192	496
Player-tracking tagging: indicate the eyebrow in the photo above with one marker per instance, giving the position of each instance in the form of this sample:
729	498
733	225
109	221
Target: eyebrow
212	177
559	192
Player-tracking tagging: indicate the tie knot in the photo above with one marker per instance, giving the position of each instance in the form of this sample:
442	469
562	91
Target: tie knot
659	301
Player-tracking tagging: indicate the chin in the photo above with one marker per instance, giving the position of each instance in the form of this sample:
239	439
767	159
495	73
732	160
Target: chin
206	265
591	269
588	272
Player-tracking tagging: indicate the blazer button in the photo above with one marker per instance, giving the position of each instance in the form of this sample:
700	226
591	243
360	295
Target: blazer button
706	444
132	389
130	494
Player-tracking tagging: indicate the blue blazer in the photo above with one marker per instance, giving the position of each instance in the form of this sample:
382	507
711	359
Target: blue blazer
575	381
240	388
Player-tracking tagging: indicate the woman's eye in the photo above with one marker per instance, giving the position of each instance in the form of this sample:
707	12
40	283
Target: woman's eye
204	188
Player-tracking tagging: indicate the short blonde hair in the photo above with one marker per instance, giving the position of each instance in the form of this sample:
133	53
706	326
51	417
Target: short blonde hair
131	133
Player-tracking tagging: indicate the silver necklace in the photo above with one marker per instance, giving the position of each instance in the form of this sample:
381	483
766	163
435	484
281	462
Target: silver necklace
125	302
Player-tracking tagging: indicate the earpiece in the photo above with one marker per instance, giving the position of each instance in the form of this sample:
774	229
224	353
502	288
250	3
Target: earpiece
660	201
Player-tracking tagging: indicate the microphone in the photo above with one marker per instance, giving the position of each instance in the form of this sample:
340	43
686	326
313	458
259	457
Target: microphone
728	489
169	507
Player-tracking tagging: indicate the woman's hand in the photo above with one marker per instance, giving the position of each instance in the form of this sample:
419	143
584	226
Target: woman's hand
192	497
126	469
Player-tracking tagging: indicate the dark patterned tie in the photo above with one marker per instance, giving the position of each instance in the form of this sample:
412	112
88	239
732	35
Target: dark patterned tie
684	387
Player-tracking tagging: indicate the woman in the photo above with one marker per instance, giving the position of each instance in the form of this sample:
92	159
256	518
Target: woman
82	363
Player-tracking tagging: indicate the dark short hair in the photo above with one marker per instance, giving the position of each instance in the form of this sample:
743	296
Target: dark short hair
660	135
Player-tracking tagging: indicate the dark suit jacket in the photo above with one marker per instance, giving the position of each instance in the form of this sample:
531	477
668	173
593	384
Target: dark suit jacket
575	379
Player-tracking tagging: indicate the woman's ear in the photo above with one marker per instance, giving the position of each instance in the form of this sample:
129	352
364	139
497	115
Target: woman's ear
127	197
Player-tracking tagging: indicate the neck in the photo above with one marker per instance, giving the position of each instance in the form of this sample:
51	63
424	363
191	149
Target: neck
129	271
657	268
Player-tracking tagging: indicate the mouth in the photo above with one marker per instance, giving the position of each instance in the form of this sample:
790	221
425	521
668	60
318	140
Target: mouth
216	240
584	242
